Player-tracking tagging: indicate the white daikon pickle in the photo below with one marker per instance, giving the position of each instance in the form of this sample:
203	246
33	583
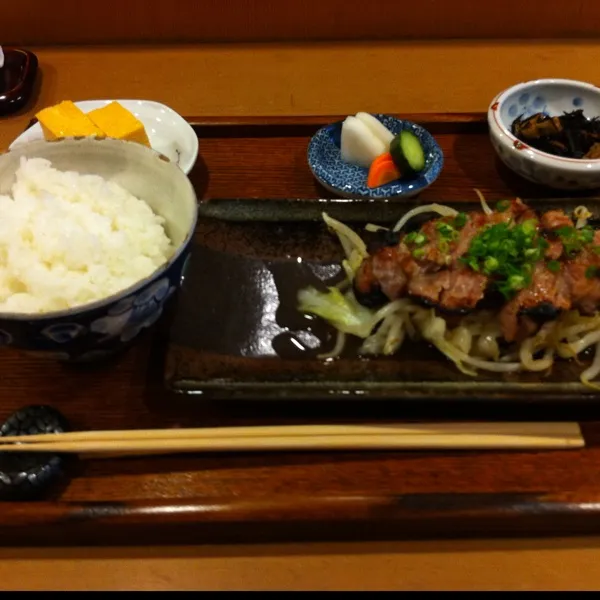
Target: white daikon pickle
359	145
378	129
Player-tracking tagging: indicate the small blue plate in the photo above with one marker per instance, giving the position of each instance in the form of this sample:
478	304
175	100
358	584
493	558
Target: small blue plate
350	181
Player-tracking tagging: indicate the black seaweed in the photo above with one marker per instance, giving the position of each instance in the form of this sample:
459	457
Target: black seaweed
571	135
26	476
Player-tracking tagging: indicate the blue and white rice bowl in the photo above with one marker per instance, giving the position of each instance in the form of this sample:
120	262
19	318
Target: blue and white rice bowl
102	327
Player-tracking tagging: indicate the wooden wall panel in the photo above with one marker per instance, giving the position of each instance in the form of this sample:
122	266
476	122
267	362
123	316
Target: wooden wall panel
41	22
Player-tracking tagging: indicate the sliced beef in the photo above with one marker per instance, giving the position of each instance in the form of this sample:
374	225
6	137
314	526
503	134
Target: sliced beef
428	287
582	274
382	273
464	290
432	271
554	250
367	287
548	294
519	211
473	225
554	219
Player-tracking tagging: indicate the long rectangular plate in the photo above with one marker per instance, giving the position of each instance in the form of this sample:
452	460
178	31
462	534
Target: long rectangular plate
237	332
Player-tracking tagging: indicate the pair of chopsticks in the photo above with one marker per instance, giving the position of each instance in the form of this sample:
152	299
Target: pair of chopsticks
431	436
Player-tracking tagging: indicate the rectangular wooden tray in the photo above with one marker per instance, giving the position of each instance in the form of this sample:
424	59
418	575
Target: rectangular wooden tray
294	496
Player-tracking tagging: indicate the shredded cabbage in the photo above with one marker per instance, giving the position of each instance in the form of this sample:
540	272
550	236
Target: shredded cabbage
341	311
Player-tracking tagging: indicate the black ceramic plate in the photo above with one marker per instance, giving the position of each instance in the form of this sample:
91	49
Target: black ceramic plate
237	334
17	79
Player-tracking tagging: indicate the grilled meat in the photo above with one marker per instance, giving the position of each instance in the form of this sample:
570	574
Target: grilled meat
453	263
582	276
554	219
547	290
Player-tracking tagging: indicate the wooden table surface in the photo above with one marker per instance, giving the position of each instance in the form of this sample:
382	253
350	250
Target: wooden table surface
316	79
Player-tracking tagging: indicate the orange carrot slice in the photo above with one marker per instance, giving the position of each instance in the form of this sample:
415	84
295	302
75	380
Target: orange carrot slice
383	170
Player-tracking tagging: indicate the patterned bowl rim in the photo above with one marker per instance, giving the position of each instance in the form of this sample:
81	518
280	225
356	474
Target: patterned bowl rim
495	123
138	285
434	170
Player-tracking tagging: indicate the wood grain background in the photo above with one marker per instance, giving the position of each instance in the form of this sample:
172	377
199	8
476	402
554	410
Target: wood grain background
40	22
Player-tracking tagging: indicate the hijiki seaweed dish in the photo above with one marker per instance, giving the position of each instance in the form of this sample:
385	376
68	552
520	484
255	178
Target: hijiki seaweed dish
504	290
571	135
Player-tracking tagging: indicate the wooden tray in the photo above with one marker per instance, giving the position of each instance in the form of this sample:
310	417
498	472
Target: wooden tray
294	496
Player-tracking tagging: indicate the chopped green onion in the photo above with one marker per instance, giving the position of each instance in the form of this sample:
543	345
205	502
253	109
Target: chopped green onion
471	262
553	266
586	235
460	220
564	231
446	231
419	253
529	226
503	205
516	282
507	252
574	239
416	238
490	264
420	239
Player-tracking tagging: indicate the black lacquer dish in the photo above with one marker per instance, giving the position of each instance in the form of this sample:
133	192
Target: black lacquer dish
17	78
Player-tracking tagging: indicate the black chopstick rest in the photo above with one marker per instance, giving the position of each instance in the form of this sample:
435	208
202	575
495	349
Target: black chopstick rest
29	476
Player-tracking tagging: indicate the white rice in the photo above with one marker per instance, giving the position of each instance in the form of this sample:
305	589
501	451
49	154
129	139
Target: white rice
68	239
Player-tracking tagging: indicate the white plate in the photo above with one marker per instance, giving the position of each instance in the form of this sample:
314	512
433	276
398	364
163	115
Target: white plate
169	133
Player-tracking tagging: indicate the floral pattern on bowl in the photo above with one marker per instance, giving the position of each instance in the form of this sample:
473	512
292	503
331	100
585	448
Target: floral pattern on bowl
131	315
61	333
350	181
551	101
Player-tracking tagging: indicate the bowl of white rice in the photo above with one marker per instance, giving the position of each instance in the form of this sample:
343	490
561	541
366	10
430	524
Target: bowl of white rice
94	239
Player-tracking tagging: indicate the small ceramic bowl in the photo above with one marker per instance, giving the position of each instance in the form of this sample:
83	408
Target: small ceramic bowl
169	133
350	181
101	328
552	97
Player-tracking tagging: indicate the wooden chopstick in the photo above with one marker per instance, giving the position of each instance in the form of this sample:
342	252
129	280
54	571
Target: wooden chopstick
308	437
560	429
